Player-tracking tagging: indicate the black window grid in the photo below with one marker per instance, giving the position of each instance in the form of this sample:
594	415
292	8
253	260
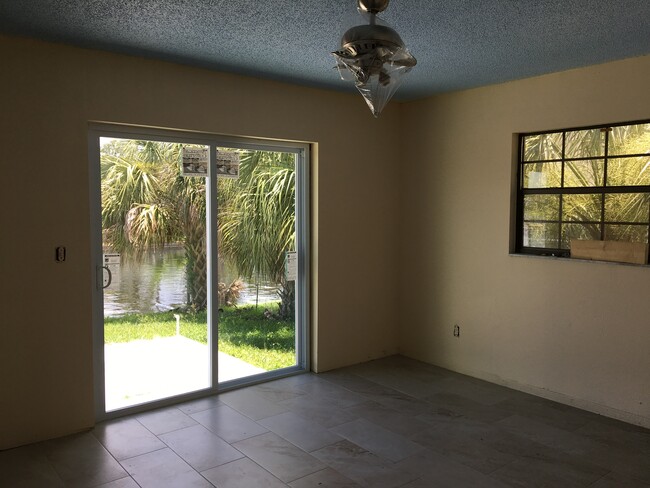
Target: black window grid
602	190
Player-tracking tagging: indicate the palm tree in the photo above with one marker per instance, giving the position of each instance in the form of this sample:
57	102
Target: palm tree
256	220
146	204
587	170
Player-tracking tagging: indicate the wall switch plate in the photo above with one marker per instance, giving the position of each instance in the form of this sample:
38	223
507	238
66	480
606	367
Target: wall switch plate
456	331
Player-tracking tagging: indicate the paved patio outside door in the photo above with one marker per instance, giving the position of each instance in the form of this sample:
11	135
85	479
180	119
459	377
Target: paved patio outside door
146	370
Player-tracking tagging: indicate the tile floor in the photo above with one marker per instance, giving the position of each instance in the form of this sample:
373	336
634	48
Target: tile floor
394	422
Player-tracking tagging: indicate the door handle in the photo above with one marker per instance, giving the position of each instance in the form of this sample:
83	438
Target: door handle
110	277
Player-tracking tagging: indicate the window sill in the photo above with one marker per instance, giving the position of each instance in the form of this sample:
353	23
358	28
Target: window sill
577	260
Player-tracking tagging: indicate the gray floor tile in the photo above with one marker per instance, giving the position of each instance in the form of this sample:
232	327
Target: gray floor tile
325	478
282	389
401	365
370	367
362	466
399	401
228	424
437	482
346	379
406	424
476	390
581	448
194	406
121	483
501	440
413	367
545	411
405	375
437	470
163	469
80	460
200	448
636	466
243	473
279	457
333	394
617	434
27	467
308	436
562	472
319	410
615	480
125	438
252	403
462	447
547	435
437	414
388	418
379	441
165	420
293	382
404	383
461	406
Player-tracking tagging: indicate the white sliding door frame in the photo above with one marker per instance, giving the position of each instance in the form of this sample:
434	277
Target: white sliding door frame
301	150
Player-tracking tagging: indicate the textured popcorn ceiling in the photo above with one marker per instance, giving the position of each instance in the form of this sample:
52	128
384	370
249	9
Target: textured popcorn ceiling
458	43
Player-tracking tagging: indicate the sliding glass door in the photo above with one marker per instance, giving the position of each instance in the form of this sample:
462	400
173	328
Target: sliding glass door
200	246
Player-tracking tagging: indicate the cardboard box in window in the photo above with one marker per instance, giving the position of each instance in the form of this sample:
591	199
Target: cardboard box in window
616	251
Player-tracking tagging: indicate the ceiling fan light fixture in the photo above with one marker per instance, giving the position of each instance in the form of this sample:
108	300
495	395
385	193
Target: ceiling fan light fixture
374	57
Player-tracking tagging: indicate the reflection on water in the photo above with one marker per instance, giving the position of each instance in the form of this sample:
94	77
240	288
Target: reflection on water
157	283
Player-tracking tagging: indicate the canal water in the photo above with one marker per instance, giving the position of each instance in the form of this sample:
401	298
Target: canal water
158	283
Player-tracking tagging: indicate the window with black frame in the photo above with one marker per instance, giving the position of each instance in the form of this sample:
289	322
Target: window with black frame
589	184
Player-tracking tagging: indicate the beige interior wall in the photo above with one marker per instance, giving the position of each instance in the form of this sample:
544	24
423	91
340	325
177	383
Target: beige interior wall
573	331
577	332
48	95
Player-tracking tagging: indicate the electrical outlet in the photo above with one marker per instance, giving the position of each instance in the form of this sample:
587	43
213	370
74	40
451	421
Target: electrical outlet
456	331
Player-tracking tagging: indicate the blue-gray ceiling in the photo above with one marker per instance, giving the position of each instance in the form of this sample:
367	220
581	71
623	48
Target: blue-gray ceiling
458	43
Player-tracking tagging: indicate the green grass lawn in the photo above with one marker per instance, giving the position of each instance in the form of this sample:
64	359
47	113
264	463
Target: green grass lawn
244	333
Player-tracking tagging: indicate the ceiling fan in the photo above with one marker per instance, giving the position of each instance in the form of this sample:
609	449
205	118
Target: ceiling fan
373	56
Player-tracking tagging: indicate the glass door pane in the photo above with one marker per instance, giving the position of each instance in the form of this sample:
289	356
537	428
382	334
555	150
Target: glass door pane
256	227
154	244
